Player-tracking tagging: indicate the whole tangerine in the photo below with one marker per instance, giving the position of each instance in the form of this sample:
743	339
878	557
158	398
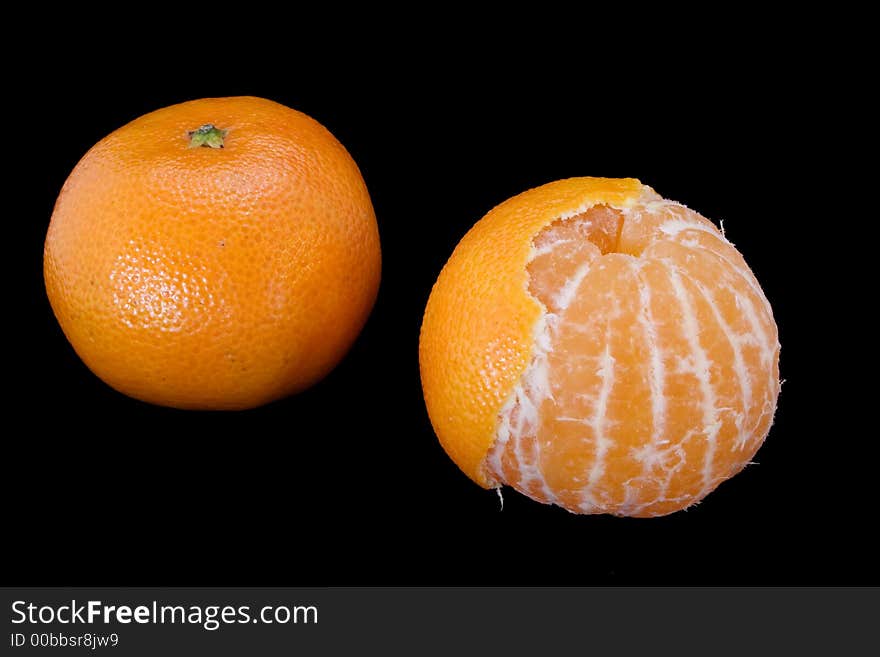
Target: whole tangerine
216	254
598	347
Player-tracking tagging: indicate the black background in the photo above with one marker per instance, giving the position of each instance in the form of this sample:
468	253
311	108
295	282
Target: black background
346	483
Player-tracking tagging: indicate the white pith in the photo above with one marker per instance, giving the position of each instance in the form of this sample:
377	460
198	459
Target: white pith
517	430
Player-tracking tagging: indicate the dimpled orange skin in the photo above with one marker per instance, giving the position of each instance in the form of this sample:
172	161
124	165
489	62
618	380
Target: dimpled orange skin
598	347
213	278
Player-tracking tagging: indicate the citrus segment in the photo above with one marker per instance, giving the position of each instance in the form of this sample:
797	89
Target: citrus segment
480	324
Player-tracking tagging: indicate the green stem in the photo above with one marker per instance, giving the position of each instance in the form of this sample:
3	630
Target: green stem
207	136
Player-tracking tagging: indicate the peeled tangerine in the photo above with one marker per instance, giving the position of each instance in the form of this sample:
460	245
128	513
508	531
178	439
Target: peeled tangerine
598	347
